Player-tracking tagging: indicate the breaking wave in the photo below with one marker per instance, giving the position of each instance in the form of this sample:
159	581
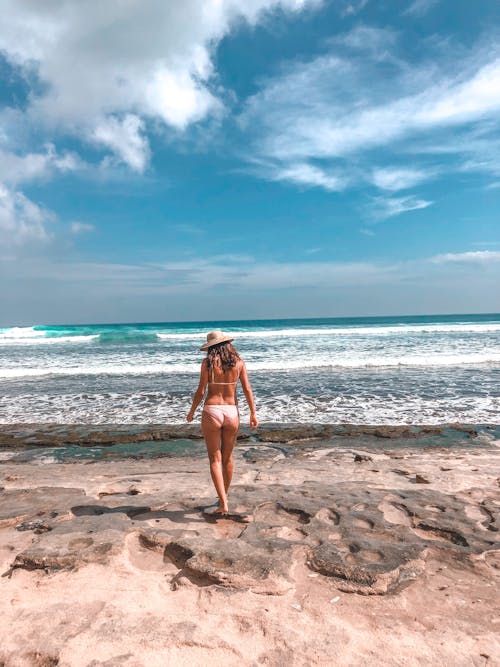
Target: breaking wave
119	334
297	364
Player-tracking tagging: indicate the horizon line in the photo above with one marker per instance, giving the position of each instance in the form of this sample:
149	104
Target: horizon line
262	319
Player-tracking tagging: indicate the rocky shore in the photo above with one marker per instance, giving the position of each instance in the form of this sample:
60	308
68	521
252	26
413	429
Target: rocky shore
345	545
85	435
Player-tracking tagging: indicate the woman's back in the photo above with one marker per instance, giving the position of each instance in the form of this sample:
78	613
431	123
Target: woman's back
221	386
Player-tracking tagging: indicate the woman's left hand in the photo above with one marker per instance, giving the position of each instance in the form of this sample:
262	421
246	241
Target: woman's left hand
190	417
253	420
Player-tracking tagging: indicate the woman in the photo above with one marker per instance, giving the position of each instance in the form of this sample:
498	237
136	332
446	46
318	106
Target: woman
220	372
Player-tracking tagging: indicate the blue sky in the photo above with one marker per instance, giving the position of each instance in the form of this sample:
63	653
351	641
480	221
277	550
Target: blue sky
226	159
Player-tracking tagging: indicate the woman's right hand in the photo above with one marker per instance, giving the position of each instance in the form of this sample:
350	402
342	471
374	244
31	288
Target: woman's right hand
253	420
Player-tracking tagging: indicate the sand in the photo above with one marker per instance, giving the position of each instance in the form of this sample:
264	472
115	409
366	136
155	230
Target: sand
390	559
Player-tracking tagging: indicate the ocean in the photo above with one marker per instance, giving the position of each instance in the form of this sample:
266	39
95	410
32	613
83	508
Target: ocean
376	370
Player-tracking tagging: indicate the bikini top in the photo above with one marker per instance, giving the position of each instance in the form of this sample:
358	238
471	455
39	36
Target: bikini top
213	381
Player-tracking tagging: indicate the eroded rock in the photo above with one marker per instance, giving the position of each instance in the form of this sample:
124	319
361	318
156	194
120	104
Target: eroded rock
420	479
359	458
76	542
20	505
369	540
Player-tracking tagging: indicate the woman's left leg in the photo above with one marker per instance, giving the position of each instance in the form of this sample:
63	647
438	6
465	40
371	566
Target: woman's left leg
229	434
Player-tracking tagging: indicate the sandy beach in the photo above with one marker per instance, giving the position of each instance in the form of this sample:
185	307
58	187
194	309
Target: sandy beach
344	546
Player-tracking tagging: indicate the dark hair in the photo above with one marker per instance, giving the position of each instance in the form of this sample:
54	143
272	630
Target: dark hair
222	355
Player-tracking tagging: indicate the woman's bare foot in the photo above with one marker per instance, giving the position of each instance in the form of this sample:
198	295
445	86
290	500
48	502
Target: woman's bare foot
222	509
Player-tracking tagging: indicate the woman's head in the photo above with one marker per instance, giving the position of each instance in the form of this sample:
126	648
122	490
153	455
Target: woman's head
222	355
214	338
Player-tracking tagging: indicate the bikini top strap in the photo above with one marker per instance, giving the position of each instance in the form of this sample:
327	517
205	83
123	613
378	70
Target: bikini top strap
213	381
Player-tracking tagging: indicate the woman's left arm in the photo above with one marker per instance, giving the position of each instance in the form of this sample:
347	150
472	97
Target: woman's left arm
200	392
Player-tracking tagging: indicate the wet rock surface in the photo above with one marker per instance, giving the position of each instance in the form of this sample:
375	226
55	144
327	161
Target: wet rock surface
83	435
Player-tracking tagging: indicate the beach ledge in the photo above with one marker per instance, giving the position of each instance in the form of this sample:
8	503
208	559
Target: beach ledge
344	545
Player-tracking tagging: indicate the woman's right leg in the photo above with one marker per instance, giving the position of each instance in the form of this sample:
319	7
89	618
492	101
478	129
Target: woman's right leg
229	434
212	434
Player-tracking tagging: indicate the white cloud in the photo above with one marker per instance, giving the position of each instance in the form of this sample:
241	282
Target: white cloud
105	68
314	274
81	227
21	220
362	37
16	169
420	7
472	150
241	272
388	207
460	101
125	139
205	274
352	8
469	257
393	178
202	287
339	109
308	115
305	174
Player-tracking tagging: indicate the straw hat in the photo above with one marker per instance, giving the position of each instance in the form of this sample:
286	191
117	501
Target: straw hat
216	337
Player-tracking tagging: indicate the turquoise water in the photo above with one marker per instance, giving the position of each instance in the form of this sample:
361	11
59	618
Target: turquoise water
72	453
423	369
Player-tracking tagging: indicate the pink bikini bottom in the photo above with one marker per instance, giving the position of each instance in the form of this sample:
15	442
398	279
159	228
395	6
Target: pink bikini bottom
222	414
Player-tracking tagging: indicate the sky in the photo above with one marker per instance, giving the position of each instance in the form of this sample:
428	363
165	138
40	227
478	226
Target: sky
244	159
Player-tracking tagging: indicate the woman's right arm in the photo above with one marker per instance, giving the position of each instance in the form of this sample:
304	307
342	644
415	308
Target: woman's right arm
247	390
200	392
